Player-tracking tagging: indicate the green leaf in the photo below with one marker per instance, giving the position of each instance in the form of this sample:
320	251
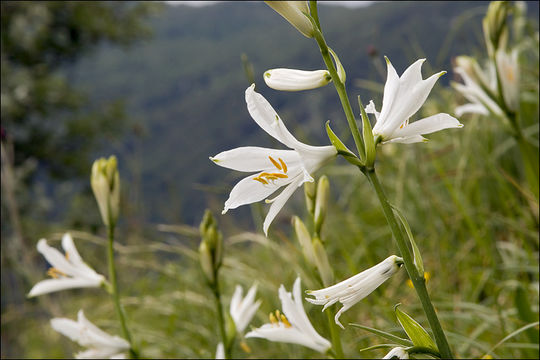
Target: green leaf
416	252
414	330
525	312
341	148
385	335
339	68
367	133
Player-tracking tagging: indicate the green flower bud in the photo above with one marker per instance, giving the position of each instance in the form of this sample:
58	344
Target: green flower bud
211	248
105	182
321	202
322	263
205	258
309	192
495	26
304	239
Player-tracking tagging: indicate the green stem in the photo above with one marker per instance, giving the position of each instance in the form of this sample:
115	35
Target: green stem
336	340
116	298
221	320
339	85
416	278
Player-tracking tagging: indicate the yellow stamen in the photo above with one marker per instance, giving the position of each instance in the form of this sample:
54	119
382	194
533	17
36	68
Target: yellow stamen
271	177
283	165
55	273
261	180
427	276
285	321
273	319
282	176
278	315
276	164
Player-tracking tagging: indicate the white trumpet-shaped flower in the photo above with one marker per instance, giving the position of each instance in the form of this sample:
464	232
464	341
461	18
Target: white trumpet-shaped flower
275	168
403	96
242	310
476	85
68	271
508	69
100	344
293	326
397	352
296	80
355	288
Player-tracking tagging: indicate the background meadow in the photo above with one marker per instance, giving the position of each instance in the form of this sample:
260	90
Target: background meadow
162	88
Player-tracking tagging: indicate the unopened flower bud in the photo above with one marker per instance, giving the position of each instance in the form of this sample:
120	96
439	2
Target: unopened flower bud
305	240
310	190
105	182
321	202
296	80
293	11
495	26
322	263
205	258
211	248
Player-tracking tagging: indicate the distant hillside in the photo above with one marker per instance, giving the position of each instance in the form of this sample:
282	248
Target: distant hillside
185	87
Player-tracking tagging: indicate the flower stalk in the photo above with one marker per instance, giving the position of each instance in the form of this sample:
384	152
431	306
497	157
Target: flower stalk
416	278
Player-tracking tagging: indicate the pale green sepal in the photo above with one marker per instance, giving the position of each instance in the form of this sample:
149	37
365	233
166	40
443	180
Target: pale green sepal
321	202
418	263
384	334
341	148
310	191
418	335
304	239
339	68
367	133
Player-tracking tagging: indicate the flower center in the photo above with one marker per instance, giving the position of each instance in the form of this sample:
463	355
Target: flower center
265	177
279	318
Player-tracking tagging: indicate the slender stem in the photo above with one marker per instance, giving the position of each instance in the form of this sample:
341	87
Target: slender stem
339	85
416	278
221	320
114	287
336	340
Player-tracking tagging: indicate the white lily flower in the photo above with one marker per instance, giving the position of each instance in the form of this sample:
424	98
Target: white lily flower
293	11
220	351
397	352
508	69
293	326
403	97
475	84
355	288
100	344
296	80
241	309
276	168
68	271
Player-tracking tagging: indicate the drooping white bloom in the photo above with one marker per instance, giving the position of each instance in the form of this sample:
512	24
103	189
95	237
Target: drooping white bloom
293	326
68	271
296	80
241	309
355	288
397	352
293	11
476	85
220	351
276	168
403	96
100	344
508	69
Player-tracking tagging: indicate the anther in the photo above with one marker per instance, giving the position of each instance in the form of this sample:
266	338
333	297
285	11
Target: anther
273	319
261	180
276	164
283	165
55	273
285	321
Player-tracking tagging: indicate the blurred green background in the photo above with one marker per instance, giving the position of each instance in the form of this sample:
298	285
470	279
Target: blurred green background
162	88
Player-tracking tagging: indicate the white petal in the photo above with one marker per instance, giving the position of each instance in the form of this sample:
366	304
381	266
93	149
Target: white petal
55	258
471	109
248	191
96	337
398	352
279	202
266	117
235	301
220	351
52	285
71	251
296	80
280	333
370	109
391	88
253	158
428	125
406	140
67	327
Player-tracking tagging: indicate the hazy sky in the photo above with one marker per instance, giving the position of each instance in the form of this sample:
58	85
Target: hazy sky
334	3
